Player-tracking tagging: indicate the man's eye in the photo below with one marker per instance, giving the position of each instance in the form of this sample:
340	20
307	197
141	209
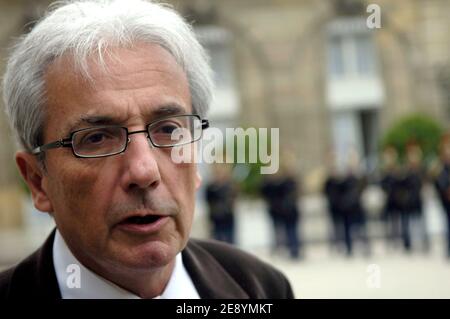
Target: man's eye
166	128
95	138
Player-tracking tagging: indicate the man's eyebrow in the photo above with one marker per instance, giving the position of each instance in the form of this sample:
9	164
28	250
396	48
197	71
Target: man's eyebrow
168	110
93	120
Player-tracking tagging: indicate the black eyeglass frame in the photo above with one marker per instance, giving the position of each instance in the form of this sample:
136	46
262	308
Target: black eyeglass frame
68	141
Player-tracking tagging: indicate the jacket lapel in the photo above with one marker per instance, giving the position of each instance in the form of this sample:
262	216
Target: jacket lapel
211	280
35	277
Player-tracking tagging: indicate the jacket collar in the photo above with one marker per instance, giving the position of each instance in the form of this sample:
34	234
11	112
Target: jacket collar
35	276
211	280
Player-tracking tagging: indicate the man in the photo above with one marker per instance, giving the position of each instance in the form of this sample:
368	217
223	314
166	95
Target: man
280	191
331	191
413	218
220	194
351	188
97	93
390	183
442	183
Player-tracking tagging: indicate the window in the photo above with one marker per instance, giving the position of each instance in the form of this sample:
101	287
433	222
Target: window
351	51
218	42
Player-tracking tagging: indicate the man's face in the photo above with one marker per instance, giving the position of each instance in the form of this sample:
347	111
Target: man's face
91	198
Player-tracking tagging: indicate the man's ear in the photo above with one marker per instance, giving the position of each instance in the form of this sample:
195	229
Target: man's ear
33	174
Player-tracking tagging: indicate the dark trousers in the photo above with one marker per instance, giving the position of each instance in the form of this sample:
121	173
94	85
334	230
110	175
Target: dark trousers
336	235
405	230
355	228
293	241
448	233
392	225
348	224
413	224
224	232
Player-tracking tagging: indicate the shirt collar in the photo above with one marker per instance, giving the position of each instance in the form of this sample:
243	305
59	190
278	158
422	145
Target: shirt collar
78	282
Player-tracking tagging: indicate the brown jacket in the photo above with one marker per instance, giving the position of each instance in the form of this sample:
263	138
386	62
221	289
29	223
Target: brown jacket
218	271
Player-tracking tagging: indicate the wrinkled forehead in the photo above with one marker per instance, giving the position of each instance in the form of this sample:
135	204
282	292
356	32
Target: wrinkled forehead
147	68
101	65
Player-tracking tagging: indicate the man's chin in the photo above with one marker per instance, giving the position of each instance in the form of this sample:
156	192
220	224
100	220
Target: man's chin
154	254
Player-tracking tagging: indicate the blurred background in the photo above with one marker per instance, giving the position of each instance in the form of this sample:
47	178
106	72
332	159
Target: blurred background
357	209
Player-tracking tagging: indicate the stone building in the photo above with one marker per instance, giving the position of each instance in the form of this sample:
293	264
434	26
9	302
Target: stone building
314	69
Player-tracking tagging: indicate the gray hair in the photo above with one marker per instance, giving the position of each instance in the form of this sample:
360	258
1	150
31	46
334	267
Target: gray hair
85	28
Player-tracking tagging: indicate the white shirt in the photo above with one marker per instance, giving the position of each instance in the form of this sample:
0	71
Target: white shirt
77	282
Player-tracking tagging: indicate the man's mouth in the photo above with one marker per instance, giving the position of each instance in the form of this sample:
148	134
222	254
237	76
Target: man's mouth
141	220
143	225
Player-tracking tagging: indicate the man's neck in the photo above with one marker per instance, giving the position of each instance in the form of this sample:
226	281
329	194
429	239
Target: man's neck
146	284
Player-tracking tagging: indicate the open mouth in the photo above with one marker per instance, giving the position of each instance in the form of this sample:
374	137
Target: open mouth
143	225
142	220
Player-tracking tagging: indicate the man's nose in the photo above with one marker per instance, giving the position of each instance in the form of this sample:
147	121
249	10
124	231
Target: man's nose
141	168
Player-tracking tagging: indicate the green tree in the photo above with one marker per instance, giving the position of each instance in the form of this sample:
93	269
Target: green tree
248	174
418	128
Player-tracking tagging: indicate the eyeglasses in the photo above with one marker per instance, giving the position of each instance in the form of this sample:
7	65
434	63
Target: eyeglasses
105	141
